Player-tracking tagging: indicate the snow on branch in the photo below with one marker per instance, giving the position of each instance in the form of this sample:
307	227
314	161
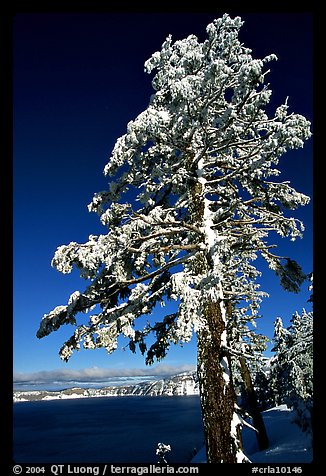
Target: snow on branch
189	192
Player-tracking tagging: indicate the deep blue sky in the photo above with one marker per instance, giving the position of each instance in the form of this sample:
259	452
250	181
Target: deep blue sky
78	80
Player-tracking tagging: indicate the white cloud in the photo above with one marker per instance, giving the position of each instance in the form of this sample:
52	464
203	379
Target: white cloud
97	374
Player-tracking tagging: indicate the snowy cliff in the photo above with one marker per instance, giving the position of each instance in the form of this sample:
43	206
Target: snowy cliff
180	384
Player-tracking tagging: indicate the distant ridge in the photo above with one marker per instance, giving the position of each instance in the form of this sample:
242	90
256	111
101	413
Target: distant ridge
184	383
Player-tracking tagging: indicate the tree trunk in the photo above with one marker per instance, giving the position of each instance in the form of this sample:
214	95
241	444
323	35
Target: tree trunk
221	426
253	408
216	391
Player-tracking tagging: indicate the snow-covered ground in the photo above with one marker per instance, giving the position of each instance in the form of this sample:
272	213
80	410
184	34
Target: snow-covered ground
288	444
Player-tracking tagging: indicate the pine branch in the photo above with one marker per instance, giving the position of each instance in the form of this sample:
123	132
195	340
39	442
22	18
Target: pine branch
175	223
167	266
244	354
158	235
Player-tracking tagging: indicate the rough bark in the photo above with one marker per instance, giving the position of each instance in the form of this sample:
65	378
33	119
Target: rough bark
216	393
253	408
217	396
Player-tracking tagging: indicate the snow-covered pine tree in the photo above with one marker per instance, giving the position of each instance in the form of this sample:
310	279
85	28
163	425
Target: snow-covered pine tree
190	187
277	378
262	385
292	366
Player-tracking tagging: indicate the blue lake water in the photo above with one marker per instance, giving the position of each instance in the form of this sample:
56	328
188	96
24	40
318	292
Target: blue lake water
107	430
